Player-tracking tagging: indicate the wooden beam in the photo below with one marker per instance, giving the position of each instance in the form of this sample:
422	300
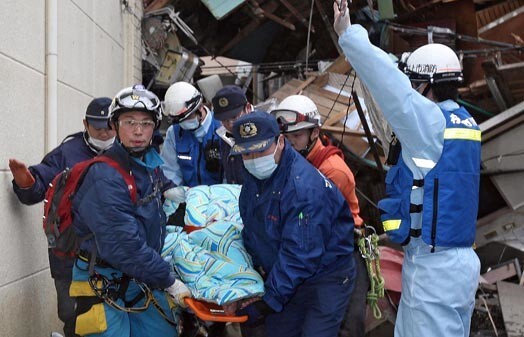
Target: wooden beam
297	14
334	119
341	129
498	85
502	272
249	28
511	298
304	84
273	17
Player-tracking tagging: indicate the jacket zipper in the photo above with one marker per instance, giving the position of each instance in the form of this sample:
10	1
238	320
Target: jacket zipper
198	163
435	213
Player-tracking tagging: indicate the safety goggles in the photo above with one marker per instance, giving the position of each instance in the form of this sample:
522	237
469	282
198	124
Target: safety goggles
132	124
137	98
190	106
286	118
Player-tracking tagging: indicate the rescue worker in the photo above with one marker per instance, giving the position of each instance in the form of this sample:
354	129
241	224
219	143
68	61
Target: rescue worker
229	104
191	149
433	189
30	185
299	232
119	275
300	122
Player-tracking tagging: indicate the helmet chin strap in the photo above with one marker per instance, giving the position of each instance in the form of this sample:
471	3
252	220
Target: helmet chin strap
426	90
309	146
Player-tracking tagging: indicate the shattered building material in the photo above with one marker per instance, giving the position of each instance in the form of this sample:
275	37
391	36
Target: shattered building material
502	272
511	298
267	41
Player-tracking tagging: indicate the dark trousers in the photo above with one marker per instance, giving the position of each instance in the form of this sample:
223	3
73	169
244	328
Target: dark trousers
316	309
66	306
354	323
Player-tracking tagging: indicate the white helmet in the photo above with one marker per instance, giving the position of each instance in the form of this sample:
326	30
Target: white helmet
297	112
432	63
181	100
135	98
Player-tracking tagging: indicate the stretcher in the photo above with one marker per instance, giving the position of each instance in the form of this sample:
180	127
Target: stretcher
207	311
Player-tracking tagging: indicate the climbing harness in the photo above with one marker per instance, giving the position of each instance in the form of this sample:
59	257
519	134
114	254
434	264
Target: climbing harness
368	247
111	290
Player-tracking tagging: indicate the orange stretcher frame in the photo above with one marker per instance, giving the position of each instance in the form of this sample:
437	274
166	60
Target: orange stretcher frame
207	311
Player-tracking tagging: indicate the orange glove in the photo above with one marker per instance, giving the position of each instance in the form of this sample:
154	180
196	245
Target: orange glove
23	178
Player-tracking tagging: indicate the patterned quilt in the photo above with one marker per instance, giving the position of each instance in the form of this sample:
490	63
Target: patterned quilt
212	261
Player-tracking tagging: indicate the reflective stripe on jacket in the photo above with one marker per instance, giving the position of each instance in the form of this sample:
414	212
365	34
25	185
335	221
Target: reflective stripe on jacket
191	156
451	189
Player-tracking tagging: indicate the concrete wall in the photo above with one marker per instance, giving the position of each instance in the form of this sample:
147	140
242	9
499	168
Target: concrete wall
98	54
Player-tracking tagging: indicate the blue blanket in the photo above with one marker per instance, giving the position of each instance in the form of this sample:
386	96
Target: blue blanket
212	261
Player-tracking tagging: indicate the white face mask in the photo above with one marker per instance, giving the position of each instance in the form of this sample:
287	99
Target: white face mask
190	125
262	167
101	144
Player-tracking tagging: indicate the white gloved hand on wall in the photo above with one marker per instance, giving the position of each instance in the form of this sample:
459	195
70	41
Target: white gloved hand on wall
178	291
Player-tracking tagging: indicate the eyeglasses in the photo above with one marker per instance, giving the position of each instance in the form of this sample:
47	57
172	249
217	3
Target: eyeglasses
137	97
290	117
190	106
132	124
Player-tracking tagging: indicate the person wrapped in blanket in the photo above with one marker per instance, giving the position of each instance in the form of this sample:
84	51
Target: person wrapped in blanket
299	231
208	252
119	278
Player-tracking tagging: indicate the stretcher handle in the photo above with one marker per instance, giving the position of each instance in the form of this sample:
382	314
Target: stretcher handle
207	311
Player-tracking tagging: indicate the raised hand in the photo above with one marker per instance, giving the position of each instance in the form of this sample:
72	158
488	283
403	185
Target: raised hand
341	16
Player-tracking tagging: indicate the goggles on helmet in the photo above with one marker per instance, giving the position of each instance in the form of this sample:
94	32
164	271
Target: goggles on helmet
137	98
285	118
190	106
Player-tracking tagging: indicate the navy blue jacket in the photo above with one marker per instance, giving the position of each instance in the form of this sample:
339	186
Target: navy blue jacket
129	236
232	165
297	226
73	149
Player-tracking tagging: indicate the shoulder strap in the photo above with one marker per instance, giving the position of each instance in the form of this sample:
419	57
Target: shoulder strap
128	178
325	153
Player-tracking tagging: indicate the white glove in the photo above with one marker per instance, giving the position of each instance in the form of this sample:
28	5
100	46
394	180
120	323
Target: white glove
176	194
178	291
341	17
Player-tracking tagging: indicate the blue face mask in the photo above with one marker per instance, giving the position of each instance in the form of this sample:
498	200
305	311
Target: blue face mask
190	125
262	167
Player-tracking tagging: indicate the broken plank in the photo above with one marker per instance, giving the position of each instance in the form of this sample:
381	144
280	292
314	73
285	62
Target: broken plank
511	298
326	93
501	272
341	129
338	116
304	84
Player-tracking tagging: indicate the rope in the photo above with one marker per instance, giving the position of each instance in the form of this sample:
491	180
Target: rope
105	289
368	246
